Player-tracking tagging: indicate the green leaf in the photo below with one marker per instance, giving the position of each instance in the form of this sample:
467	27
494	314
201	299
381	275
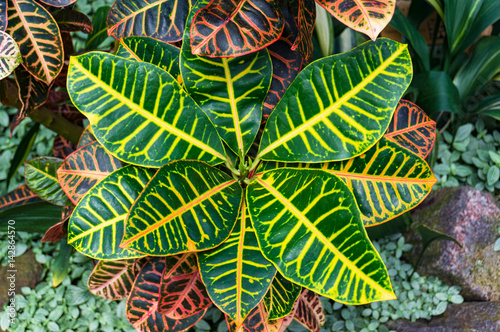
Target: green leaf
22	151
60	265
231	91
38	37
281	297
236	274
99	29
428	236
10	56
436	93
41	177
308	224
489	106
31	217
116	95
480	67
493	175
97	223
113	280
152	51
86	138
187	206
338	106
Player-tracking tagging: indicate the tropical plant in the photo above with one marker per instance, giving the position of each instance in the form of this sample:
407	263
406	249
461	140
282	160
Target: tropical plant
185	202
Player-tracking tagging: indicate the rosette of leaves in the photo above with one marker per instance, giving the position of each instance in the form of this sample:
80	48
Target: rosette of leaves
181	213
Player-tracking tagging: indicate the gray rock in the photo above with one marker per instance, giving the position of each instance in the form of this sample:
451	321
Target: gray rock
471	217
468	316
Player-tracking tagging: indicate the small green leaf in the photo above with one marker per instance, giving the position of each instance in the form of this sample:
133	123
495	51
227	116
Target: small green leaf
464	131
493	175
495	157
496	247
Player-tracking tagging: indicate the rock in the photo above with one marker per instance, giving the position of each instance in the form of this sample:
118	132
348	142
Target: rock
471	217
29	273
468	316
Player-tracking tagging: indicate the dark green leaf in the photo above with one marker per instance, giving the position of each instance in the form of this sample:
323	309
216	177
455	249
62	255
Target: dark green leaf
60	265
31	217
99	29
22	151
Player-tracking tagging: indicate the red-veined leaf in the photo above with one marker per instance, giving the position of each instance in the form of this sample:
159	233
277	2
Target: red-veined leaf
37	34
70	20
69	112
113	280
58	3
286	63
257	321
366	16
62	147
182	293
10	56
309	311
305	13
55	233
86	138
19	196
32	92
84	168
3	15
227	28
143	299
160	19
411	128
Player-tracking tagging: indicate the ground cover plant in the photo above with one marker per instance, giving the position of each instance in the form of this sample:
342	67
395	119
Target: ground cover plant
186	197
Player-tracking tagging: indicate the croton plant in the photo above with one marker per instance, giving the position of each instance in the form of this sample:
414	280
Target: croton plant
219	169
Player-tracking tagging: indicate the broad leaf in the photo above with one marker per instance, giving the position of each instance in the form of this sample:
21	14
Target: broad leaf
227	28
338	106
236	274
38	37
31	217
32	92
3	15
60	265
230	90
118	94
62	147
160	19
305	14
366	16
97	224
152	51
281	297
113	280
411	128
256	321
142	302
41	177
436	93
70	20
86	138
99	29
286	63
58	3
10	56
182	293
309	311
187	206
84	168
19	196
308	224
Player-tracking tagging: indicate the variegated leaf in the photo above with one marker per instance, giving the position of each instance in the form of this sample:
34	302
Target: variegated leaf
366	16
55	233
305	12
32	92
228	28
386	180
187	206
19	196
3	15
182	293
412	129
10	56
236	274
86	138
58	3
309	311
256	321
143	299
37	34
41	177
308	224
281	297
230	91
159	19
152	51
339	106
62	147
70	20
97	224
113	280
84	168
118	94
